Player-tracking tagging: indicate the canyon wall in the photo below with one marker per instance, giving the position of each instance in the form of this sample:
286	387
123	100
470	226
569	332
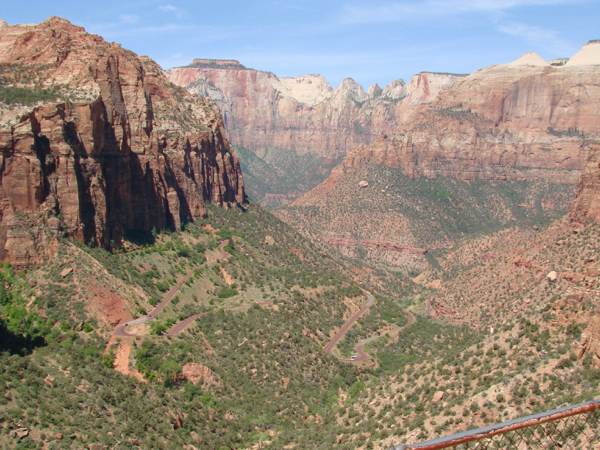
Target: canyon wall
524	129
586	206
96	144
520	121
304	114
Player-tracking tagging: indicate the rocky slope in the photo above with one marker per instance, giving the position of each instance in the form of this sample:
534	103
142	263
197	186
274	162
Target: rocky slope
97	144
555	271
304	114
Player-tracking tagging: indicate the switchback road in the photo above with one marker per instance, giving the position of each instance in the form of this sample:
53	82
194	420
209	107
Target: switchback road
330	346
121	330
362	356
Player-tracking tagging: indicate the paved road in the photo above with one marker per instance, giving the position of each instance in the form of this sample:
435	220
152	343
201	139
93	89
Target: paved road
362	356
121	330
329	347
182	325
429	297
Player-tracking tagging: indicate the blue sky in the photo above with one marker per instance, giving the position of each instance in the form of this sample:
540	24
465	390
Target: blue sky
372	42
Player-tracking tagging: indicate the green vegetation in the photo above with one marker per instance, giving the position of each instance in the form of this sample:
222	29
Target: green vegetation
429	212
217	64
22	85
571	132
275	176
265	378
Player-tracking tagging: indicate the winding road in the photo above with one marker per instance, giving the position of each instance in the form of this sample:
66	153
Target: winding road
121	330
429	297
362	356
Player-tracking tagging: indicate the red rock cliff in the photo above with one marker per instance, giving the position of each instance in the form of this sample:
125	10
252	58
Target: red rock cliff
586	206
112	149
521	121
304	114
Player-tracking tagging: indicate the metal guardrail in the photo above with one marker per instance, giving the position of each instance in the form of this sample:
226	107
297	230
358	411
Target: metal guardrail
571	427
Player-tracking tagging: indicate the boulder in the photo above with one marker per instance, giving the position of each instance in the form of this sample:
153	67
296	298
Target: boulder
592	270
21	432
552	276
363	184
438	396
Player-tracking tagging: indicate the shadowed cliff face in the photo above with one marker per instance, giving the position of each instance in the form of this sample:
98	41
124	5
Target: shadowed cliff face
119	150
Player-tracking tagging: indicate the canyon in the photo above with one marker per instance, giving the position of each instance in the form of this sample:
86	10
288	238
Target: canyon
467	205
528	125
286	127
525	120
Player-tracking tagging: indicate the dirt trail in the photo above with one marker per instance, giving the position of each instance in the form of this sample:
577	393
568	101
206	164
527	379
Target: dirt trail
122	362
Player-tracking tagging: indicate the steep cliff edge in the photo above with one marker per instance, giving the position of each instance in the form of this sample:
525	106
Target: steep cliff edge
98	145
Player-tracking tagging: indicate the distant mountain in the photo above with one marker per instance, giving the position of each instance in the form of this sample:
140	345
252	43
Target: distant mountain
304	114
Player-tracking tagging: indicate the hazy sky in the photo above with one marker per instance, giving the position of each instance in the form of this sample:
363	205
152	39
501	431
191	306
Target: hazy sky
373	42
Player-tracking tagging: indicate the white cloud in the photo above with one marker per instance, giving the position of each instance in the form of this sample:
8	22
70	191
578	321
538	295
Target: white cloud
537	36
129	18
172	9
410	10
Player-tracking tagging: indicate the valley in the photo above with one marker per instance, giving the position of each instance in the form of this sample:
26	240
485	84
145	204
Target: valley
214	257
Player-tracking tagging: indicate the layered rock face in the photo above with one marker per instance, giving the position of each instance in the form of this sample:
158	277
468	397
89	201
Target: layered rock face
520	121
107	146
586	206
304	114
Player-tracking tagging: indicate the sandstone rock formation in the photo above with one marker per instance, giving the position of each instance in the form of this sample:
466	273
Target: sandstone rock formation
586	206
97	144
526	122
304	114
518	121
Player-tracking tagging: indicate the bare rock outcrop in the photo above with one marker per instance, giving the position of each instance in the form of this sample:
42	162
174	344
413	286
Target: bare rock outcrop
586	206
100	145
